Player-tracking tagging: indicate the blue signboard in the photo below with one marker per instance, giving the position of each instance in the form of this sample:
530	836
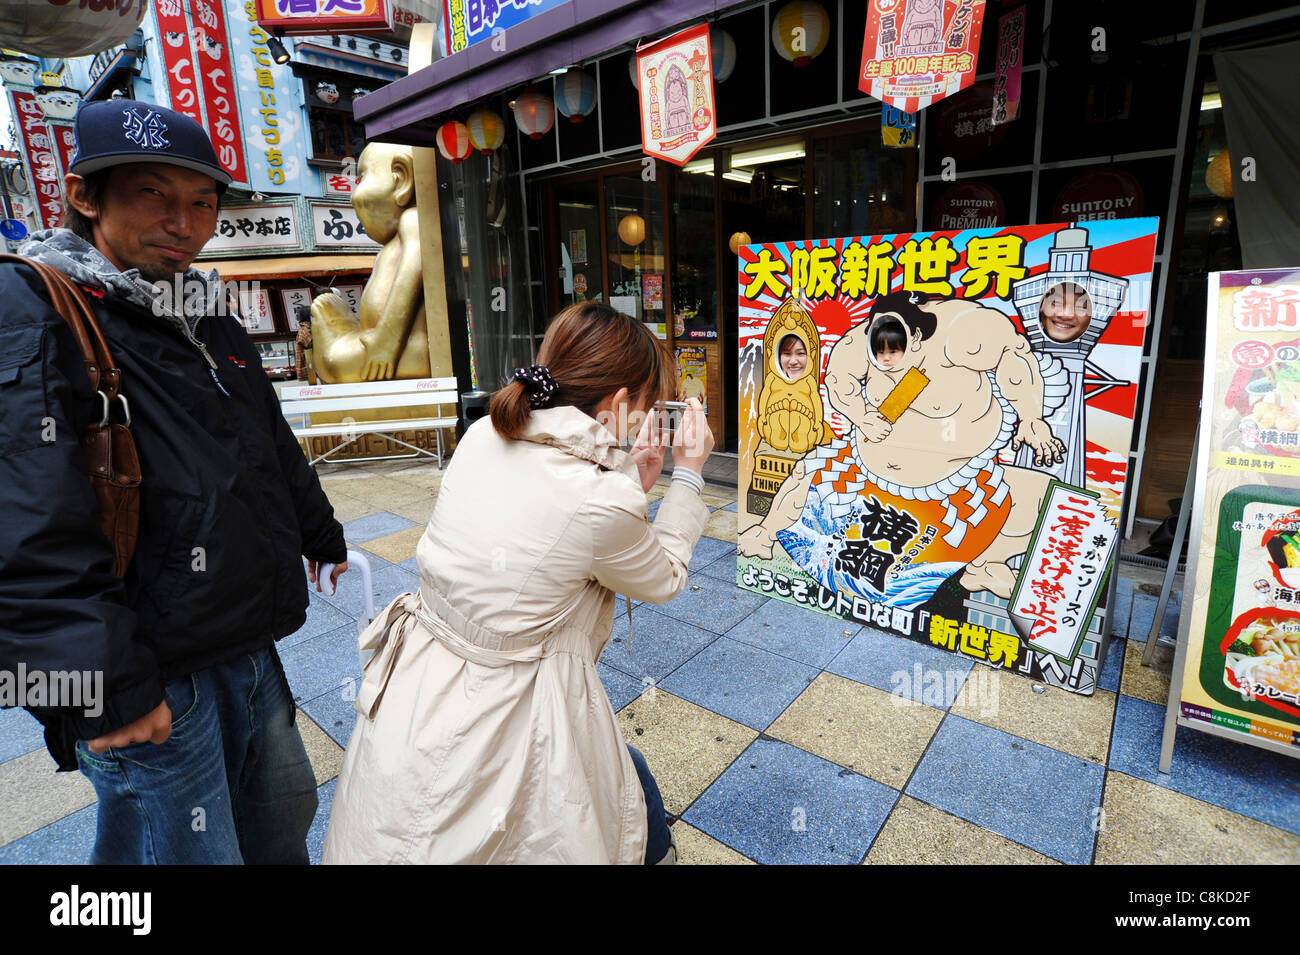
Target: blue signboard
466	22
13	230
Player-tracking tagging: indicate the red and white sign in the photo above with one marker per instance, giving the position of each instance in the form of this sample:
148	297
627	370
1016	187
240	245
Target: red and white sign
1068	558
916	52
178	60
678	115
64	139
42	158
213	63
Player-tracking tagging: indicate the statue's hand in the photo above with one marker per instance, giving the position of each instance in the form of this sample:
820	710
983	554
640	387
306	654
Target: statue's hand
875	426
1036	433
757	542
381	356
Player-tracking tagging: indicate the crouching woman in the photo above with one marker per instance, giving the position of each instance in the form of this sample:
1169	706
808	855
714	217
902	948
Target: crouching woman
485	734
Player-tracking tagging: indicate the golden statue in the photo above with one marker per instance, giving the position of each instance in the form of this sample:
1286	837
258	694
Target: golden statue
390	340
790	414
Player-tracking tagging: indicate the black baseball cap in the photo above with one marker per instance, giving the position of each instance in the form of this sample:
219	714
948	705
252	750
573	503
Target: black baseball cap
117	131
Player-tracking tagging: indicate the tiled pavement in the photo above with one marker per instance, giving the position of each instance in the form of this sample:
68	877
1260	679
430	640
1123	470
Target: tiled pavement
780	736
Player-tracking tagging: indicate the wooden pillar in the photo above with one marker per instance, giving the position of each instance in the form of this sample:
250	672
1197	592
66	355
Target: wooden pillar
423	40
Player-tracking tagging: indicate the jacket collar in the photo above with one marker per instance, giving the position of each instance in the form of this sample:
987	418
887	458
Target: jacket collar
569	430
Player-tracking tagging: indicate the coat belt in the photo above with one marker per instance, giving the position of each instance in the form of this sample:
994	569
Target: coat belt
387	634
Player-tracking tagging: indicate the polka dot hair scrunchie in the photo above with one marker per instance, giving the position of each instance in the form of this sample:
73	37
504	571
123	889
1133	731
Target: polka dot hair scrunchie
539	383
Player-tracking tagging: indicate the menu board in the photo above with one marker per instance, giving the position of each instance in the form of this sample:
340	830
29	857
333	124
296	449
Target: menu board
1237	671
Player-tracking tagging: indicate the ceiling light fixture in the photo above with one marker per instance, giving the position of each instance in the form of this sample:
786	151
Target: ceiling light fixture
278	52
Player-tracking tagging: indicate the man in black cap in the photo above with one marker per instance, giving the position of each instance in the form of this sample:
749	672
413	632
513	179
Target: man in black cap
190	743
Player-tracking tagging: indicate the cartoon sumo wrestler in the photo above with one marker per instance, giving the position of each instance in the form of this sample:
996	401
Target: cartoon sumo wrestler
980	387
790	413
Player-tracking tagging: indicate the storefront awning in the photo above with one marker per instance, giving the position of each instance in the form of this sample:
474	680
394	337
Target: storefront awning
580	30
288	267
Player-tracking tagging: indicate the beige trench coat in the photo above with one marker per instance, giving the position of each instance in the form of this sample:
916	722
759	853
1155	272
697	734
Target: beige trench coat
485	734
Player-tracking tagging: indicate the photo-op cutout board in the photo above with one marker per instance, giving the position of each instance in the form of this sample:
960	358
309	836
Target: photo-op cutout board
935	429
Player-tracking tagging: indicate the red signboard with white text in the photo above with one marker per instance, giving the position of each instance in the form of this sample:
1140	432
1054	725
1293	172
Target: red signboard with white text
42	160
916	52
213	64
200	77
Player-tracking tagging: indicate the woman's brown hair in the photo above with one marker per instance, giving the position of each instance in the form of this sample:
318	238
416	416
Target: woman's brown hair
591	351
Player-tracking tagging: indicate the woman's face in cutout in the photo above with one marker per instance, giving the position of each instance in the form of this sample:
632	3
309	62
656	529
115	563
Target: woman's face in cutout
794	357
1066	312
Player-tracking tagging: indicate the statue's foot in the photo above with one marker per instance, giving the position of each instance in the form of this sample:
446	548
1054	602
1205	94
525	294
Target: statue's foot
332	318
781	430
995	578
800	433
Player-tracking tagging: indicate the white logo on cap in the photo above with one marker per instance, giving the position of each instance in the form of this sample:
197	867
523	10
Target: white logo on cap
145	131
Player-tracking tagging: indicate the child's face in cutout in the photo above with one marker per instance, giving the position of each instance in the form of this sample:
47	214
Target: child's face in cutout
890	357
794	358
1066	313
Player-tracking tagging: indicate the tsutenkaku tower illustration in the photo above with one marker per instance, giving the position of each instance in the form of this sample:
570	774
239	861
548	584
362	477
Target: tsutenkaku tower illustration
1068	262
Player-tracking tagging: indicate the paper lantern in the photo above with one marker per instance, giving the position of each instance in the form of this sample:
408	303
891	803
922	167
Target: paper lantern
534	113
43	28
800	30
575	95
486	130
736	241
631	229
1218	175
722	51
632	71
453	141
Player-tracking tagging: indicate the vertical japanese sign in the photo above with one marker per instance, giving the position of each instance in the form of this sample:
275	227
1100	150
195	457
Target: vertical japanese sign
42	158
897	129
178	59
916	52
678	115
215	74
270	101
1240	636
64	138
935	431
1011	47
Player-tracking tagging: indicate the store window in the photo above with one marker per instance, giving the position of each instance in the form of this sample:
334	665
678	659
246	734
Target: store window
634	236
335	134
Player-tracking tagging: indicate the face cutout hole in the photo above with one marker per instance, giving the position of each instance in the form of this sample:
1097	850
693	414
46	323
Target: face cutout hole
1065	312
792	357
889	341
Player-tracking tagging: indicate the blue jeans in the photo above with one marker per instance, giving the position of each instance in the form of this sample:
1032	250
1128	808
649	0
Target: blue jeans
232	784
658	837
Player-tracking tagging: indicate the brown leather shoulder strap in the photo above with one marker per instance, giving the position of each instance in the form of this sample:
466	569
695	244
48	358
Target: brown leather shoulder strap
70	301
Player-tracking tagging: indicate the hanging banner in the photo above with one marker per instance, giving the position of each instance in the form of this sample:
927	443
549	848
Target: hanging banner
693	375
298	17
935	430
916	52
678	115
42	157
1240	636
897	129
212	63
1006	84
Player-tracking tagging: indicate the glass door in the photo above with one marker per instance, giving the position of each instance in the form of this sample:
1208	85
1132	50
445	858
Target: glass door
634	236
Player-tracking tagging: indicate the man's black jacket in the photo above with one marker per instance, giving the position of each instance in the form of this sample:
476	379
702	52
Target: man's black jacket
228	505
